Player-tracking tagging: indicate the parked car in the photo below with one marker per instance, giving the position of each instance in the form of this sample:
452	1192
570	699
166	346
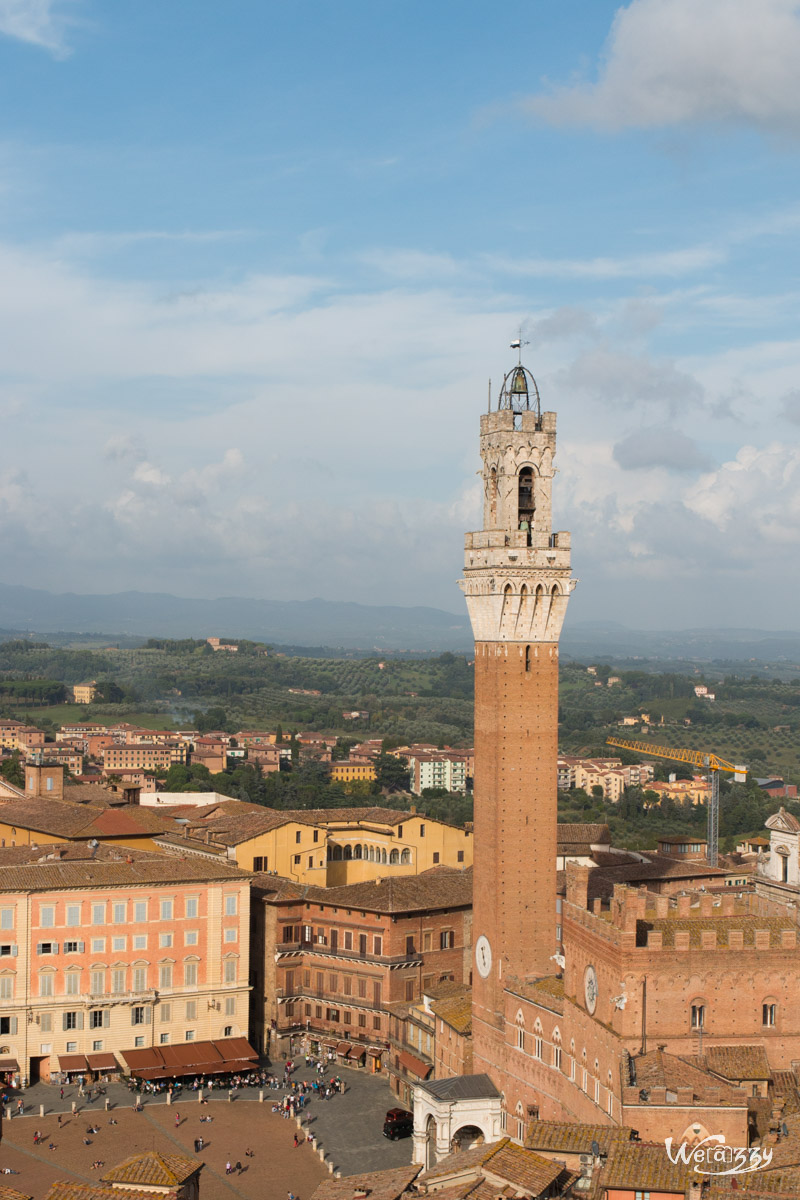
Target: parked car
398	1123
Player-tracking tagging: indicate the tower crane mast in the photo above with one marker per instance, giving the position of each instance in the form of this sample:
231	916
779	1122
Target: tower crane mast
711	763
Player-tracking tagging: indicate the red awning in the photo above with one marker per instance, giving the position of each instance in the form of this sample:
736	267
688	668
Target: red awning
236	1048
356	1052
102	1062
139	1060
373	1053
343	1048
415	1065
72	1062
9	1064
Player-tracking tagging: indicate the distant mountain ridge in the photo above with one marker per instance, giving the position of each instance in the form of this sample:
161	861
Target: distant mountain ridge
351	626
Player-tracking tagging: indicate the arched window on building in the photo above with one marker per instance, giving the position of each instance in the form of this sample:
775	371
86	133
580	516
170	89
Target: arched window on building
520	1115
503	1113
538	1043
405	857
610	1097
394	857
520	1024
697	1013
572	1060
769	1012
557	1048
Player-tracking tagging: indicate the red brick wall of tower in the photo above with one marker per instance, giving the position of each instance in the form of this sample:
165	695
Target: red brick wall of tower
516	750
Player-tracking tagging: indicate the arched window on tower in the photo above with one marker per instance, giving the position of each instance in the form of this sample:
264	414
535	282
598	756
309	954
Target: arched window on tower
525	505
527	658
493	497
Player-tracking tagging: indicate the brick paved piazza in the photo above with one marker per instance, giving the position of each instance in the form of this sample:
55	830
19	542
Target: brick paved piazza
349	1127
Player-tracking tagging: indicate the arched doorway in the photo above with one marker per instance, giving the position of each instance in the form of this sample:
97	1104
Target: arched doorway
430	1143
466	1137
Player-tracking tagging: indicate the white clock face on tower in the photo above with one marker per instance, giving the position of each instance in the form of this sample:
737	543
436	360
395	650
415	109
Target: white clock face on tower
590	989
483	956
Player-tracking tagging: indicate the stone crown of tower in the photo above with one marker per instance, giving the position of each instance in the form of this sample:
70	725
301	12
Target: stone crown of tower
516	569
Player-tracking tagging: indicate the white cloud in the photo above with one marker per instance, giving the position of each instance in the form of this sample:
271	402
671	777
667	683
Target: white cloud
666	263
38	22
672	62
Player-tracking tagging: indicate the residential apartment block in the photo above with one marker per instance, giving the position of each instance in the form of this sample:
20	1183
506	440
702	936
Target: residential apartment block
331	962
103	950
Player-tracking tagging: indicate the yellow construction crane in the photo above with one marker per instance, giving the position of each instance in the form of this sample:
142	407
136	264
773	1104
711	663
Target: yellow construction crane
712	764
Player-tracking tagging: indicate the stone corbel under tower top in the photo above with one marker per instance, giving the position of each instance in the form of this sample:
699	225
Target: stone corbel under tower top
517	575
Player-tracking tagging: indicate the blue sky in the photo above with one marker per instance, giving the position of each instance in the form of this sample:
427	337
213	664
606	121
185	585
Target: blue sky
258	261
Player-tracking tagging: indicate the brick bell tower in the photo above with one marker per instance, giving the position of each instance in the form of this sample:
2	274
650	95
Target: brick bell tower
517	584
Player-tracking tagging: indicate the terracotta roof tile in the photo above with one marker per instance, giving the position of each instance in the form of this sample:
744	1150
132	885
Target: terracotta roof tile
642	1167
39	877
566	1137
7	1193
460	1161
735	1062
524	1168
381	1185
657	1069
152	1168
64	1189
456	1010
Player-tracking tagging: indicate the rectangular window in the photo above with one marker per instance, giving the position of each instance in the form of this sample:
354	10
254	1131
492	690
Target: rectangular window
97	1018
188	1035
310	860
138	1041
98	914
6	987
362	943
70	1020
230	970
73	914
165	940
297	860
166	910
45	985
47	916
190	937
348	940
768	1012
165	975
436	856
191	1010
422	831
230	935
460	856
191	906
698	1016
230	905
140	941
347	984
72	1047
165	1012
139	979
97	1045
258	862
362	1020
118	980
118	943
137	1015
409	989
6	918
362	988
73	983
447	939
230	1006
69	948
98	945
46	1022
119	913
410	944
190	974
98	983
376	1023
348	1017
377	945
297	837
140	911
426	941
